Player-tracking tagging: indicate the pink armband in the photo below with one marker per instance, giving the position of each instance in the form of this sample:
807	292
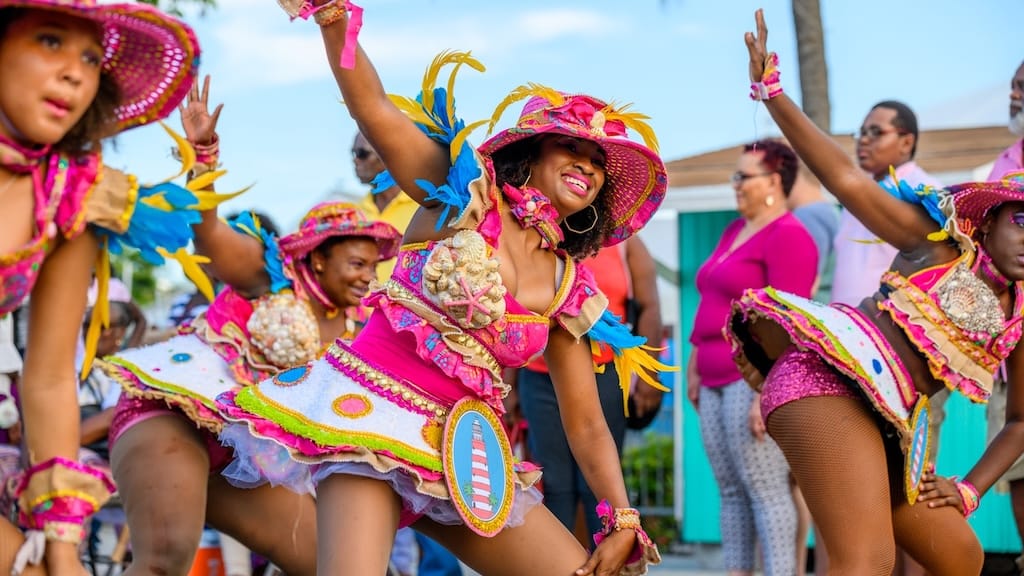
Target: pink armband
770	85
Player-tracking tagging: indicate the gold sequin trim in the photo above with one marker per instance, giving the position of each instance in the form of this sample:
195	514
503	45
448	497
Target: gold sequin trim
385	382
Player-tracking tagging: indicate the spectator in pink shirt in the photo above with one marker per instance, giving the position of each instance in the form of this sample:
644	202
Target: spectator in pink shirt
766	246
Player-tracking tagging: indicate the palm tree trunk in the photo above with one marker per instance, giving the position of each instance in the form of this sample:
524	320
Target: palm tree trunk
810	42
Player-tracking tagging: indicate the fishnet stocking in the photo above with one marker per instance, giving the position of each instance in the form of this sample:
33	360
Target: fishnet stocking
835	451
852	481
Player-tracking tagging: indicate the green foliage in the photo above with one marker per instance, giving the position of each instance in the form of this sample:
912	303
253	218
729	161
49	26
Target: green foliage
143	276
648	472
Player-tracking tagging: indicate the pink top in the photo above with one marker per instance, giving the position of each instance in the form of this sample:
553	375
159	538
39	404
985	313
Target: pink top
964	346
59	205
781	255
1009	161
444	323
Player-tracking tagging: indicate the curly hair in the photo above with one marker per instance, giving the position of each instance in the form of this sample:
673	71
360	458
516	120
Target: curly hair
99	119
512	166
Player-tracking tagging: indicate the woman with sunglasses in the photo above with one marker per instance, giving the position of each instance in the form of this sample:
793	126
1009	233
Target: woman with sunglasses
765	246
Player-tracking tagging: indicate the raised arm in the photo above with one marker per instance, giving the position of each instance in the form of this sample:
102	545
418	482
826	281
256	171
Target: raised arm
406	151
902	225
235	259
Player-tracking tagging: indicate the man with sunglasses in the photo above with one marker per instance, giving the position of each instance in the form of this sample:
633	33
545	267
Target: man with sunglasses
887	137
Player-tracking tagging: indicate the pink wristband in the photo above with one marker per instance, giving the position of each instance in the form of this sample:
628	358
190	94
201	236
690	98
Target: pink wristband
968	496
770	85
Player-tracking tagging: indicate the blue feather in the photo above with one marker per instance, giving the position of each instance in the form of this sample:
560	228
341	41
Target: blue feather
382	182
923	195
610	330
454	193
151	228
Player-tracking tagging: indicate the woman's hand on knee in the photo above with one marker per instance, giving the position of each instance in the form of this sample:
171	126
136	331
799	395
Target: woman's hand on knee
938	491
610	555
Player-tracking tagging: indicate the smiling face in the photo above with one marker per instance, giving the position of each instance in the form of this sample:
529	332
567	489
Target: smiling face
1003	239
568	171
345	268
49	75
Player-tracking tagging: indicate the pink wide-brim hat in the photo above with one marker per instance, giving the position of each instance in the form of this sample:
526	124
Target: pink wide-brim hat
329	219
635	174
151	56
972	201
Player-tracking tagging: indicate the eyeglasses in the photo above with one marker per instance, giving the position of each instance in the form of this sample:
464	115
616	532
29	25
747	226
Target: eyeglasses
741	177
874	132
361	153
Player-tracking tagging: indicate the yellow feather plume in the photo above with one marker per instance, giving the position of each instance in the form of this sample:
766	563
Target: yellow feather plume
210	200
190	265
157	201
185	150
460	138
522	93
101	309
430	76
467	59
638	361
636	122
414	110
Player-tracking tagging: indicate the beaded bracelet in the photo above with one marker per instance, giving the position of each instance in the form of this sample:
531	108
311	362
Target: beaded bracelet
968	496
618	519
57	496
331	12
770	85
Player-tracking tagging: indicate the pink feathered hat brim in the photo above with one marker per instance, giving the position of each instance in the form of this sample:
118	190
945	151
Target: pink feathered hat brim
635	174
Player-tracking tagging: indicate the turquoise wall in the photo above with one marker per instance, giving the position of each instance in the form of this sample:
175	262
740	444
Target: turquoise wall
962	438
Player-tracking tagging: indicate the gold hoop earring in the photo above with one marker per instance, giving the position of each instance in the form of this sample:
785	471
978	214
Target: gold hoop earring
588	228
528	176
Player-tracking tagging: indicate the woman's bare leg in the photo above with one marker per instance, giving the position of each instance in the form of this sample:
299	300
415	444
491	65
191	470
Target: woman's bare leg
161	468
940	539
835	451
273	522
541	545
356	519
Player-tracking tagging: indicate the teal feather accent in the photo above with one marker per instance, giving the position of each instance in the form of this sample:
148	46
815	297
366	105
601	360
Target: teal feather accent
273	263
610	330
382	182
928	197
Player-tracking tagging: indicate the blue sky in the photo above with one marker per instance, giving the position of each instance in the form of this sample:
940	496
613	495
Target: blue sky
683	62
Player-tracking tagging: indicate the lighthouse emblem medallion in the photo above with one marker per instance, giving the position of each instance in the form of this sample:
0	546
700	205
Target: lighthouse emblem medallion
478	466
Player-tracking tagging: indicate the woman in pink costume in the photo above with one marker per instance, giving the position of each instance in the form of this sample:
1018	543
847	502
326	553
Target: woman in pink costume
845	390
285	300
71	74
402	426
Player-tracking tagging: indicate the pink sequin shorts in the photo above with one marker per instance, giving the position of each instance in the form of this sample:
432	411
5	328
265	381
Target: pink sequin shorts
799	374
131	411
